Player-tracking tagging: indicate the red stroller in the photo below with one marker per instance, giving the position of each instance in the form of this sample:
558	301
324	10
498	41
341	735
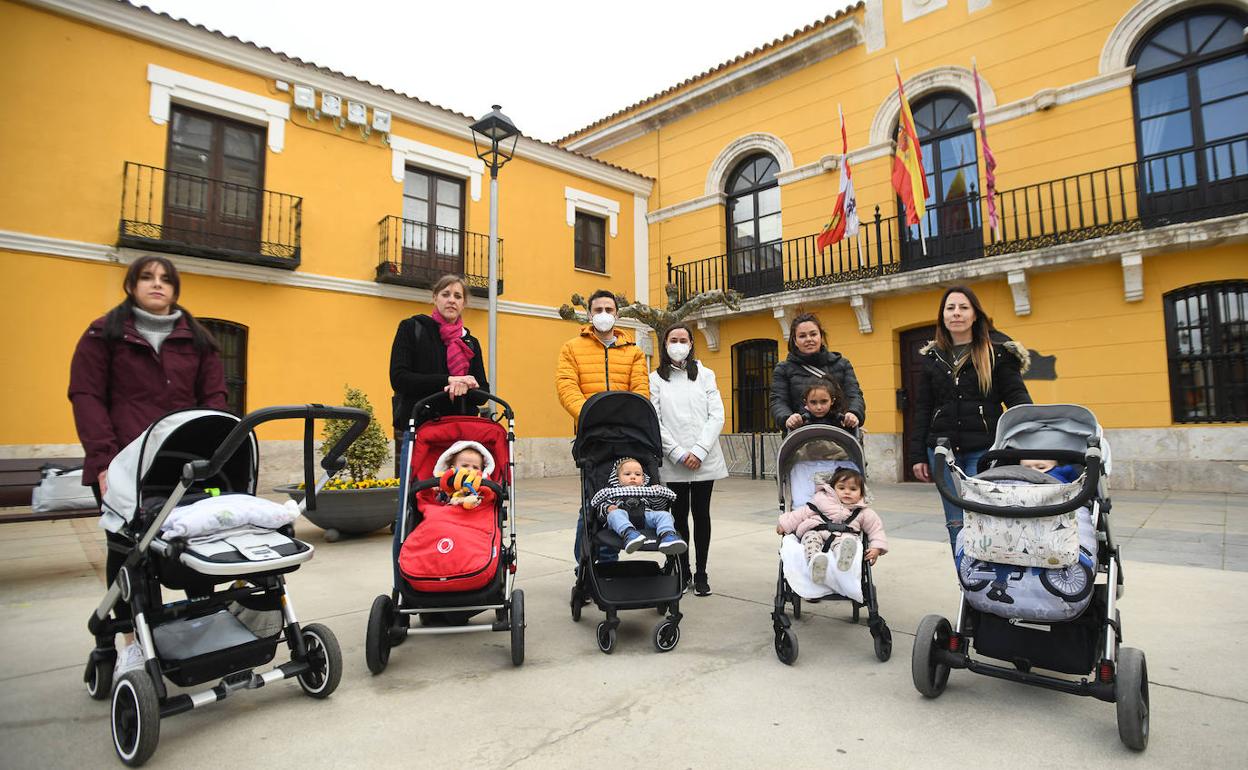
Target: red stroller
455	564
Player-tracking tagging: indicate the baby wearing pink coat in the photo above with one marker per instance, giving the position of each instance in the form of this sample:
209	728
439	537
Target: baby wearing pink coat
838	500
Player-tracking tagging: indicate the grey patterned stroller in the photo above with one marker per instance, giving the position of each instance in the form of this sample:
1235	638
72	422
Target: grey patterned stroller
1030	557
237	611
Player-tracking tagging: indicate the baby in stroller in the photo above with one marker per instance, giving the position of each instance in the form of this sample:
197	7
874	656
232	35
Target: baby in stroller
837	500
629	494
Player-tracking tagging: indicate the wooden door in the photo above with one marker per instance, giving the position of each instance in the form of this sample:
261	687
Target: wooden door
213	182
911	365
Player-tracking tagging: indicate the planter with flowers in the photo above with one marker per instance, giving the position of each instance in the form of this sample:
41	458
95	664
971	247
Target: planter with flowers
361	502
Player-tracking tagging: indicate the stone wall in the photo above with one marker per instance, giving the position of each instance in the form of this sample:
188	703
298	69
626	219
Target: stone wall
1195	459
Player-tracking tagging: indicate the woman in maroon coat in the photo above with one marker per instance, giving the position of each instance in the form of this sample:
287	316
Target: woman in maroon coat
146	357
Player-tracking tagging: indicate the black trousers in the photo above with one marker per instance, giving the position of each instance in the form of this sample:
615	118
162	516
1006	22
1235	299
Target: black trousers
113	559
695	497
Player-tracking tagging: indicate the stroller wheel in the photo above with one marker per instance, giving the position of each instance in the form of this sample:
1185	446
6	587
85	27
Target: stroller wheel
377	637
883	641
606	638
930	676
797	607
666	636
786	646
324	661
135	718
1131	697
517	627
99	674
576	605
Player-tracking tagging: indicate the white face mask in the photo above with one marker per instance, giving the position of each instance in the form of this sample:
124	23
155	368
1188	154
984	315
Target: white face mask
678	351
603	322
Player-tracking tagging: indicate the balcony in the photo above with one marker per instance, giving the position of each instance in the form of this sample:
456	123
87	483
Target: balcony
180	213
1169	189
417	254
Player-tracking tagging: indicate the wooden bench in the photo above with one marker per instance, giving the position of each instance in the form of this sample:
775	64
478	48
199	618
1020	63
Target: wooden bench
19	477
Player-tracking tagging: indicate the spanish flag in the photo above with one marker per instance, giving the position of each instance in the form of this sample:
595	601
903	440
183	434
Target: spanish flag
908	178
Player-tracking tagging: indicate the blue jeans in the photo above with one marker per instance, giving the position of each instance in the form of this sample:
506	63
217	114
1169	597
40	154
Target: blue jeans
969	463
660	521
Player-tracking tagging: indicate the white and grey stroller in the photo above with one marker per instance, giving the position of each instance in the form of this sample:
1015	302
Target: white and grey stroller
1031	553
804	453
183	496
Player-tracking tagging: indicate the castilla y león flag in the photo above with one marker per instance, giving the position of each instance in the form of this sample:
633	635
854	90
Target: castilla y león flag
908	178
845	215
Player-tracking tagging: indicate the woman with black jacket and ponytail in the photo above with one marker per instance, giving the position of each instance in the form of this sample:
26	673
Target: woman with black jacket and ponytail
969	371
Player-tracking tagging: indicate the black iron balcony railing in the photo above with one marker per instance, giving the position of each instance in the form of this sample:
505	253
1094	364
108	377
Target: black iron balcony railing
418	254
1170	188
181	213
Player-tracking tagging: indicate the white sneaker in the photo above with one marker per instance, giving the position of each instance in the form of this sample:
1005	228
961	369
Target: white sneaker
819	568
129	658
847	552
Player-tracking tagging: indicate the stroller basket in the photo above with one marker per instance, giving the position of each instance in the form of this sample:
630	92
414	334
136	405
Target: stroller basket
195	650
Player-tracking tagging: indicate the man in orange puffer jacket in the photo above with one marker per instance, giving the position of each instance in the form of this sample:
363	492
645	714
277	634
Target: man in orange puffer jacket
599	358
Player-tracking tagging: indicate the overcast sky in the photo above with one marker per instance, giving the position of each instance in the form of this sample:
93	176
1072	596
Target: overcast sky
554	65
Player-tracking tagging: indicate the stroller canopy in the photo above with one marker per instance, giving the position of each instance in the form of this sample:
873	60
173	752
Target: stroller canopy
153	462
617	422
1050	426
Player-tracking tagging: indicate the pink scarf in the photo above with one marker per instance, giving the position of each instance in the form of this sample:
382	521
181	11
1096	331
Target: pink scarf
457	351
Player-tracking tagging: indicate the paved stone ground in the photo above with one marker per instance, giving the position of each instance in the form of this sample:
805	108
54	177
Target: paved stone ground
721	699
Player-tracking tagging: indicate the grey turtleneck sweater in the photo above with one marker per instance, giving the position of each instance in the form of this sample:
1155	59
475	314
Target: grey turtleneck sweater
155	328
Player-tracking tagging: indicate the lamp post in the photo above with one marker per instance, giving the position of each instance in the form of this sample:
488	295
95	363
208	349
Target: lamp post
489	138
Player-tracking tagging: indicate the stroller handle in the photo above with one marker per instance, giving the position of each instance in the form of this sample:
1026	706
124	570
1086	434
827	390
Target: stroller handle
198	470
475	393
1091	482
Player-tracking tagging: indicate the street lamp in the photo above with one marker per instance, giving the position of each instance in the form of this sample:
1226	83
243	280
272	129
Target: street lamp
489	139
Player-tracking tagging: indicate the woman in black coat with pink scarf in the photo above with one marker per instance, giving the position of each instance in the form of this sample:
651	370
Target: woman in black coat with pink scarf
435	353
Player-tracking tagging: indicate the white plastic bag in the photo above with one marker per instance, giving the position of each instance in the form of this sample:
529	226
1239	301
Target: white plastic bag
61	490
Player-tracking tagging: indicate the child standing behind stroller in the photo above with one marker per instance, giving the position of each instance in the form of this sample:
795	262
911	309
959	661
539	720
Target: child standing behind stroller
629	492
823	404
839	501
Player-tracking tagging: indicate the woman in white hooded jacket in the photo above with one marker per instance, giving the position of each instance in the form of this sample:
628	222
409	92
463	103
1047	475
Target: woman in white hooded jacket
691	415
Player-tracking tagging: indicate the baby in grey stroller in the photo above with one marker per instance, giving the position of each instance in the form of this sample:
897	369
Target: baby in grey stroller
822	489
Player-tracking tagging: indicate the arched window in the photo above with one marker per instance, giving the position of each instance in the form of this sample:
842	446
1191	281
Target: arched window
753	211
232	340
1207	348
753	361
1191	113
947	140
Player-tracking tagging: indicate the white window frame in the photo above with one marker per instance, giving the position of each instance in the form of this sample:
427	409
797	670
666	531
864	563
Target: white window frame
405	152
579	200
170	86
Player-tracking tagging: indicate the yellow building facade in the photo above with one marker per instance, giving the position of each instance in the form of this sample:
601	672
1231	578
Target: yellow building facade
1119	127
322	233
1120	132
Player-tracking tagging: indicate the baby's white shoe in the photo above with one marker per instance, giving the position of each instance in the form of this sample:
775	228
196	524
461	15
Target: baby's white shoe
819	568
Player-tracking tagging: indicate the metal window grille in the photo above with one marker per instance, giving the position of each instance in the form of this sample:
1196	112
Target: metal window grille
1207	349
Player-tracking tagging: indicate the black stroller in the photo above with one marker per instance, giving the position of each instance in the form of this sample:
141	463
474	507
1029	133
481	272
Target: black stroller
803	453
1060	619
221	634
616	424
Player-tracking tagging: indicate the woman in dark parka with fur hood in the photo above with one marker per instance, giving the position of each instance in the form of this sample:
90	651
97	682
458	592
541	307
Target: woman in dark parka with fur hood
969	371
809	362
